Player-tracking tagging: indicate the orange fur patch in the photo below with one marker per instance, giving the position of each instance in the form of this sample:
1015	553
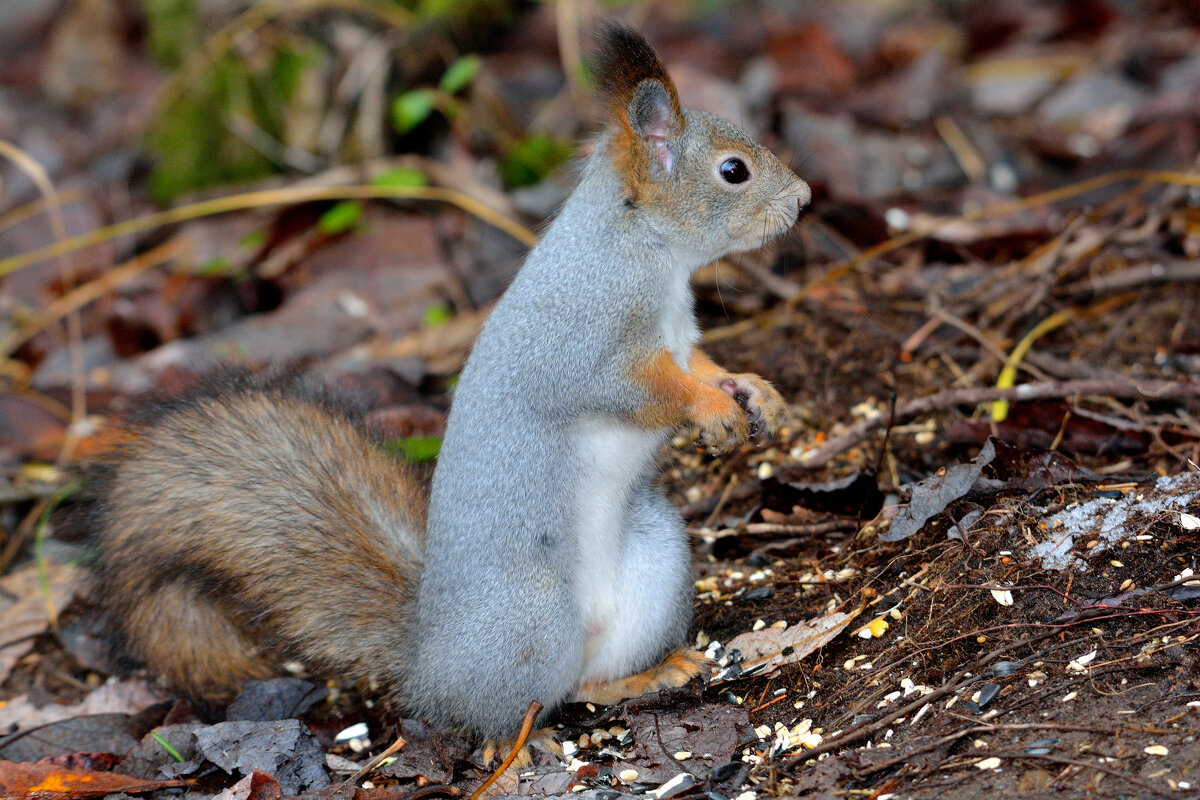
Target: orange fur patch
679	667
677	397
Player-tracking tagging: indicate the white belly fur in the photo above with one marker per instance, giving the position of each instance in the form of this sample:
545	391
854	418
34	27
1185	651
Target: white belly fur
613	456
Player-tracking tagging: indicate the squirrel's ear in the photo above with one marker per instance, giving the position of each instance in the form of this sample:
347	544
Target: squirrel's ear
639	98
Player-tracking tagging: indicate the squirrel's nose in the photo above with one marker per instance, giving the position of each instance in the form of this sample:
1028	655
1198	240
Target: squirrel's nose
801	191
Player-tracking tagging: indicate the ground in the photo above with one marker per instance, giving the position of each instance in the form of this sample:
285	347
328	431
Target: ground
913	592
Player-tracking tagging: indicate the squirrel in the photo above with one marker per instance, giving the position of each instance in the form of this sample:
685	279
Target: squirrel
251	523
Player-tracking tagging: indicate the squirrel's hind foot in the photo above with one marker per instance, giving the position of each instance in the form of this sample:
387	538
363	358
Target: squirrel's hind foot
677	669
494	753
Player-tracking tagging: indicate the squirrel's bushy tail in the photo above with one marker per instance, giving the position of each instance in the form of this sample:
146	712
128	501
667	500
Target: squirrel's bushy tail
249	523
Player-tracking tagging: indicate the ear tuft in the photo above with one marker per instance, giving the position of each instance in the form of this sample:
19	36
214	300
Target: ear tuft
634	86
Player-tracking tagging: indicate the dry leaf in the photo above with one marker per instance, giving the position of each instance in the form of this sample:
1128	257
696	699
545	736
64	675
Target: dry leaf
26	616
51	782
767	646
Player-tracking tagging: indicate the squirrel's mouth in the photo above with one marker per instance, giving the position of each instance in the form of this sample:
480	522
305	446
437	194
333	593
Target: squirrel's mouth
782	210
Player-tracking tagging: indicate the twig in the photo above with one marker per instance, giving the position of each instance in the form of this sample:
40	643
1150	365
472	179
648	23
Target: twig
1092	765
37	173
958	680
1157	390
781	315
272	197
72	301
1133	277
376	761
526	727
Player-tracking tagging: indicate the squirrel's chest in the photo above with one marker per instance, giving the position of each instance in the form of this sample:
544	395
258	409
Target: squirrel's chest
678	322
614	460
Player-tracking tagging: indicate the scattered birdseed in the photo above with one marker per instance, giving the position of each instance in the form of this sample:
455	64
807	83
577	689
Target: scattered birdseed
680	781
1069	696
1003	596
1155	750
1080	663
765	470
683	755
627	775
356	731
1188	521
989	763
758	625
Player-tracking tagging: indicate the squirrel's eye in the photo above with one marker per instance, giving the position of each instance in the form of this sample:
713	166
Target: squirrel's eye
734	170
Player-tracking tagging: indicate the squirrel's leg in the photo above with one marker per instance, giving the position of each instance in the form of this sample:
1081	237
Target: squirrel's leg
654	609
763	405
677	397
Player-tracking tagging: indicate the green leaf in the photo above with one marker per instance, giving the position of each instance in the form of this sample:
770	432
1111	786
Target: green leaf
252	240
400	177
214	267
174	29
165	745
532	159
459	74
340	218
411	109
418	449
437	314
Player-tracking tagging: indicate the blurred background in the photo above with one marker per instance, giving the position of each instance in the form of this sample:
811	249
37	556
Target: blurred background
915	122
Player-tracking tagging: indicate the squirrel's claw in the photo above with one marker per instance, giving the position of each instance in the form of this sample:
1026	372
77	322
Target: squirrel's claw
723	434
765	409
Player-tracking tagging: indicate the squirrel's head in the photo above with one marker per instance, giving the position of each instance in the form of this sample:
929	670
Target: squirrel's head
699	178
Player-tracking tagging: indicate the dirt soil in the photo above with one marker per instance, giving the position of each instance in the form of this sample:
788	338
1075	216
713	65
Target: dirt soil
915	592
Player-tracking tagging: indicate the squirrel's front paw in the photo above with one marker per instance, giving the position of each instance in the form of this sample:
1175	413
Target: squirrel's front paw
764	407
722	422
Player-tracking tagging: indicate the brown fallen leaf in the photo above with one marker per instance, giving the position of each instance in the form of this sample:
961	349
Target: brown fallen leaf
766	647
50	782
117	697
258	785
26	615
